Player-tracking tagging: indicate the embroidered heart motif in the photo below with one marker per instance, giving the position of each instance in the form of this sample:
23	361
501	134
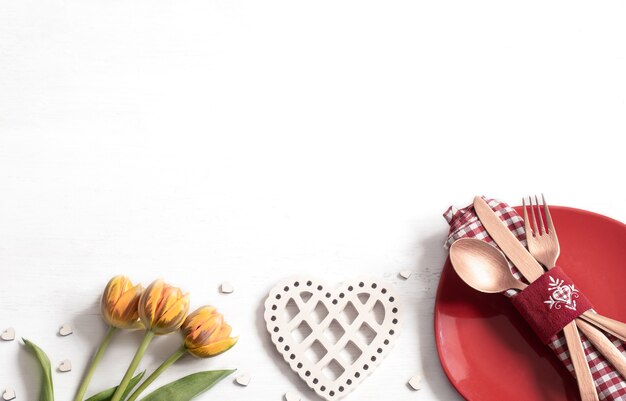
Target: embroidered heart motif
563	294
333	338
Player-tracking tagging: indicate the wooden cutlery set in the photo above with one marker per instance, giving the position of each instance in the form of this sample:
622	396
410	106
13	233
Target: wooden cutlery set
547	298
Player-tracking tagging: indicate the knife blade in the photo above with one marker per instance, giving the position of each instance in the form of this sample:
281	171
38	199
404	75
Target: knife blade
512	248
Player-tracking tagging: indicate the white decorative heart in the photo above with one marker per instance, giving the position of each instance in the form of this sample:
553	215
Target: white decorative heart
333	338
8	334
563	294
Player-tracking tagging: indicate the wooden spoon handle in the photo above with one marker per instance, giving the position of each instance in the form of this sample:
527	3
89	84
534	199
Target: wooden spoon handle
604	346
583	375
617	328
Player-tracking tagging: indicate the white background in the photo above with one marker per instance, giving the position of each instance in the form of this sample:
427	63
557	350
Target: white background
244	140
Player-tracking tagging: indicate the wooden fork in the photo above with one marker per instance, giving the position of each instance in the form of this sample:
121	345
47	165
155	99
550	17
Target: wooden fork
544	246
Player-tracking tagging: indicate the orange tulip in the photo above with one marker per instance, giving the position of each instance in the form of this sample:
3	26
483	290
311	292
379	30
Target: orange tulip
120	309
206	333
119	305
163	308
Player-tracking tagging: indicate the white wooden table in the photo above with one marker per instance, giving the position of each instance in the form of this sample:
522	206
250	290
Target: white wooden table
245	141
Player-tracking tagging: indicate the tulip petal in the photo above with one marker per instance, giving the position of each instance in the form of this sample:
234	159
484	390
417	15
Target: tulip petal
113	290
169	297
149	302
202	334
223	332
175	315
126	314
210	325
214	349
198	317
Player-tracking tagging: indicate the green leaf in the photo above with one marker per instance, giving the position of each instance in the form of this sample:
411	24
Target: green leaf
184	389
108	393
47	389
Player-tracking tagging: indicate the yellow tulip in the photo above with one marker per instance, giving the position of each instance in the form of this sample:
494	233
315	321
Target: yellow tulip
120	302
120	309
206	333
163	308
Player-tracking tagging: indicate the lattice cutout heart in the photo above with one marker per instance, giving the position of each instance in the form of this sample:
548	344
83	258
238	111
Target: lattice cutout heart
333	338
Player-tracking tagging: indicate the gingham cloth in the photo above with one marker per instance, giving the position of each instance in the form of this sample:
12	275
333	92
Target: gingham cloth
464	223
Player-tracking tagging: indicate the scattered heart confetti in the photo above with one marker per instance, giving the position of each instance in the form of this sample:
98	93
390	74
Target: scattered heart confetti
8	334
415	382
405	274
8	394
66	330
291	396
65	366
332	337
226	288
243	380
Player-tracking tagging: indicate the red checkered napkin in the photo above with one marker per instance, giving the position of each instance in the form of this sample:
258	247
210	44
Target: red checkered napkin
464	223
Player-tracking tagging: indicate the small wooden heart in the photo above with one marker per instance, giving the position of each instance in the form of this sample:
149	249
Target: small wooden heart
333	338
65	366
8	395
291	396
8	334
243	380
66	330
405	274
415	382
226	288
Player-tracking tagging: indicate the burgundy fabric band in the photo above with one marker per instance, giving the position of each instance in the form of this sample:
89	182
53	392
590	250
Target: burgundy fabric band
550	303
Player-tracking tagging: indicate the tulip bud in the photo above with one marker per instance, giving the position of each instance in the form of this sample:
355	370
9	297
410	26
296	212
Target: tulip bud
163	308
206	334
119	305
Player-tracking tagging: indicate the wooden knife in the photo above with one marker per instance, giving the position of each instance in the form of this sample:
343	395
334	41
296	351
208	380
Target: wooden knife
532	270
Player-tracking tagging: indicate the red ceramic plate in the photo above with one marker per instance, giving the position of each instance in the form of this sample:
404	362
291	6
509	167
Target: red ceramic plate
490	353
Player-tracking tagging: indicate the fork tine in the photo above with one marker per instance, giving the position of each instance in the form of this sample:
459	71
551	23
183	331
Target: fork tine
527	228
532	215
546	211
543	229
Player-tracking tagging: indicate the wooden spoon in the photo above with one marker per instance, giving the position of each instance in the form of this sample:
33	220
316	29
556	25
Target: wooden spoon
482	267
485	268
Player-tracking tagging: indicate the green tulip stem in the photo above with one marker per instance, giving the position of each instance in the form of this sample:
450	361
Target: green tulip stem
166	364
94	362
119	392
